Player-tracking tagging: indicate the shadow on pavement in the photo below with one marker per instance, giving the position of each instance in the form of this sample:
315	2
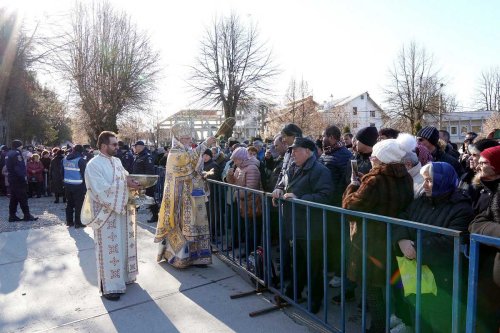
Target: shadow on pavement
86	256
13	254
125	317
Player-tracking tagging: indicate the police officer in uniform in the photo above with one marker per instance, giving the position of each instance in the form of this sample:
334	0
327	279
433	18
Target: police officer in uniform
16	167
126	156
74	183
143	164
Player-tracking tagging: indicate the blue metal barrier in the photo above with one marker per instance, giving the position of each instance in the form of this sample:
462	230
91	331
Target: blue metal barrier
236	235
475	242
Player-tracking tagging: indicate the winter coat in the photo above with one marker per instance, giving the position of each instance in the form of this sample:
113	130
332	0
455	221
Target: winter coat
488	223
311	182
451	211
5	174
337	161
482	194
441	156
216	175
275	174
386	190
56	174
246	175
35	171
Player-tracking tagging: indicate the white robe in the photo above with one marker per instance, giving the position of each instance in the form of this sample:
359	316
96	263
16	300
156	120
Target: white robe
107	211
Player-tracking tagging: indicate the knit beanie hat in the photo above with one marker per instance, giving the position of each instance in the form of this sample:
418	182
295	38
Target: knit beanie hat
493	156
430	133
208	152
393	150
367	136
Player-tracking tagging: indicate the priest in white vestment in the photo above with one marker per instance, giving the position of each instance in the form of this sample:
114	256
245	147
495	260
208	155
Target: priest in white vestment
107	211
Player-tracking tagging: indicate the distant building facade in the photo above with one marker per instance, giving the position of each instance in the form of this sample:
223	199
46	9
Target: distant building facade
355	112
459	123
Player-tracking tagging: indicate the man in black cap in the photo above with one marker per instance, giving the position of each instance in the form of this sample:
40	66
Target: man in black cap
307	180
143	165
18	183
429	137
366	138
74	184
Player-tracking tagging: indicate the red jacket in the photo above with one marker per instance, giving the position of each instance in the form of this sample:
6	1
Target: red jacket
35	170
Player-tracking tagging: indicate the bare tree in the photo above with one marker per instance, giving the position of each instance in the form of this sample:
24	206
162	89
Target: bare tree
232	65
488	91
415	86
109	63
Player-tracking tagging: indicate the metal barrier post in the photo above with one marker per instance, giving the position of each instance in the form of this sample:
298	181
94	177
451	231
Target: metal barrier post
457	268
325	269
419	281
388	270
363	291
309	274
472	288
294	254
343	274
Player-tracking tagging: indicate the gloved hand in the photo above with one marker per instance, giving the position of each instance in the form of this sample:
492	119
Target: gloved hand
408	248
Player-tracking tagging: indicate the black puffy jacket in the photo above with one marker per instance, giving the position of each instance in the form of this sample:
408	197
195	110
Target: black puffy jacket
452	211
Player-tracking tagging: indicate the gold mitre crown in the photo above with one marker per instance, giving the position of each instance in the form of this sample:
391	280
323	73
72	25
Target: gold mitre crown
180	130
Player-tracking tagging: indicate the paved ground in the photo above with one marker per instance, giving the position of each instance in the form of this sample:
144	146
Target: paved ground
48	283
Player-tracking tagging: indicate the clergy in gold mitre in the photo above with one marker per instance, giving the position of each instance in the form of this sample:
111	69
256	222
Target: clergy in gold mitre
183	230
107	211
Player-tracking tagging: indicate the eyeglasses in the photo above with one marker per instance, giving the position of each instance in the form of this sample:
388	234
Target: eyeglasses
483	163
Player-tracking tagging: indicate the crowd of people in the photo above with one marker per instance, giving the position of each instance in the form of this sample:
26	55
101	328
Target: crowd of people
423	178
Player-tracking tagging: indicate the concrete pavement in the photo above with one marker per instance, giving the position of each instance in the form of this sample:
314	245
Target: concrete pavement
48	282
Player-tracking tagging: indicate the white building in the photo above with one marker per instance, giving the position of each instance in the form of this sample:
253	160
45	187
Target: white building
354	111
204	123
459	123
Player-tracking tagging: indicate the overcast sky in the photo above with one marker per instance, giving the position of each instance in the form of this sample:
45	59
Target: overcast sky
340	48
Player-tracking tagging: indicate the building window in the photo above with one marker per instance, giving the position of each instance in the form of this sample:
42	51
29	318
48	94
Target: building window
465	129
476	129
453	130
372	114
354	125
363	96
355	110
372	124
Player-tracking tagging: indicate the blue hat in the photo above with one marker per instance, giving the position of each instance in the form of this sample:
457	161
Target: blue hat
444	178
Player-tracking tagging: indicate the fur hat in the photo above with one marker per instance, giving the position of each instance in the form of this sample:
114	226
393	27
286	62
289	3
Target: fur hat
393	150
429	133
493	156
367	136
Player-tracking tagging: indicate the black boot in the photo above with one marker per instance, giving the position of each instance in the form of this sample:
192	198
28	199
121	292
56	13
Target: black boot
30	218
14	219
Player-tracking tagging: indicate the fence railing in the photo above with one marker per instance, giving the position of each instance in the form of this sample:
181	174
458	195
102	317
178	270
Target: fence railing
474	256
261	238
295	234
